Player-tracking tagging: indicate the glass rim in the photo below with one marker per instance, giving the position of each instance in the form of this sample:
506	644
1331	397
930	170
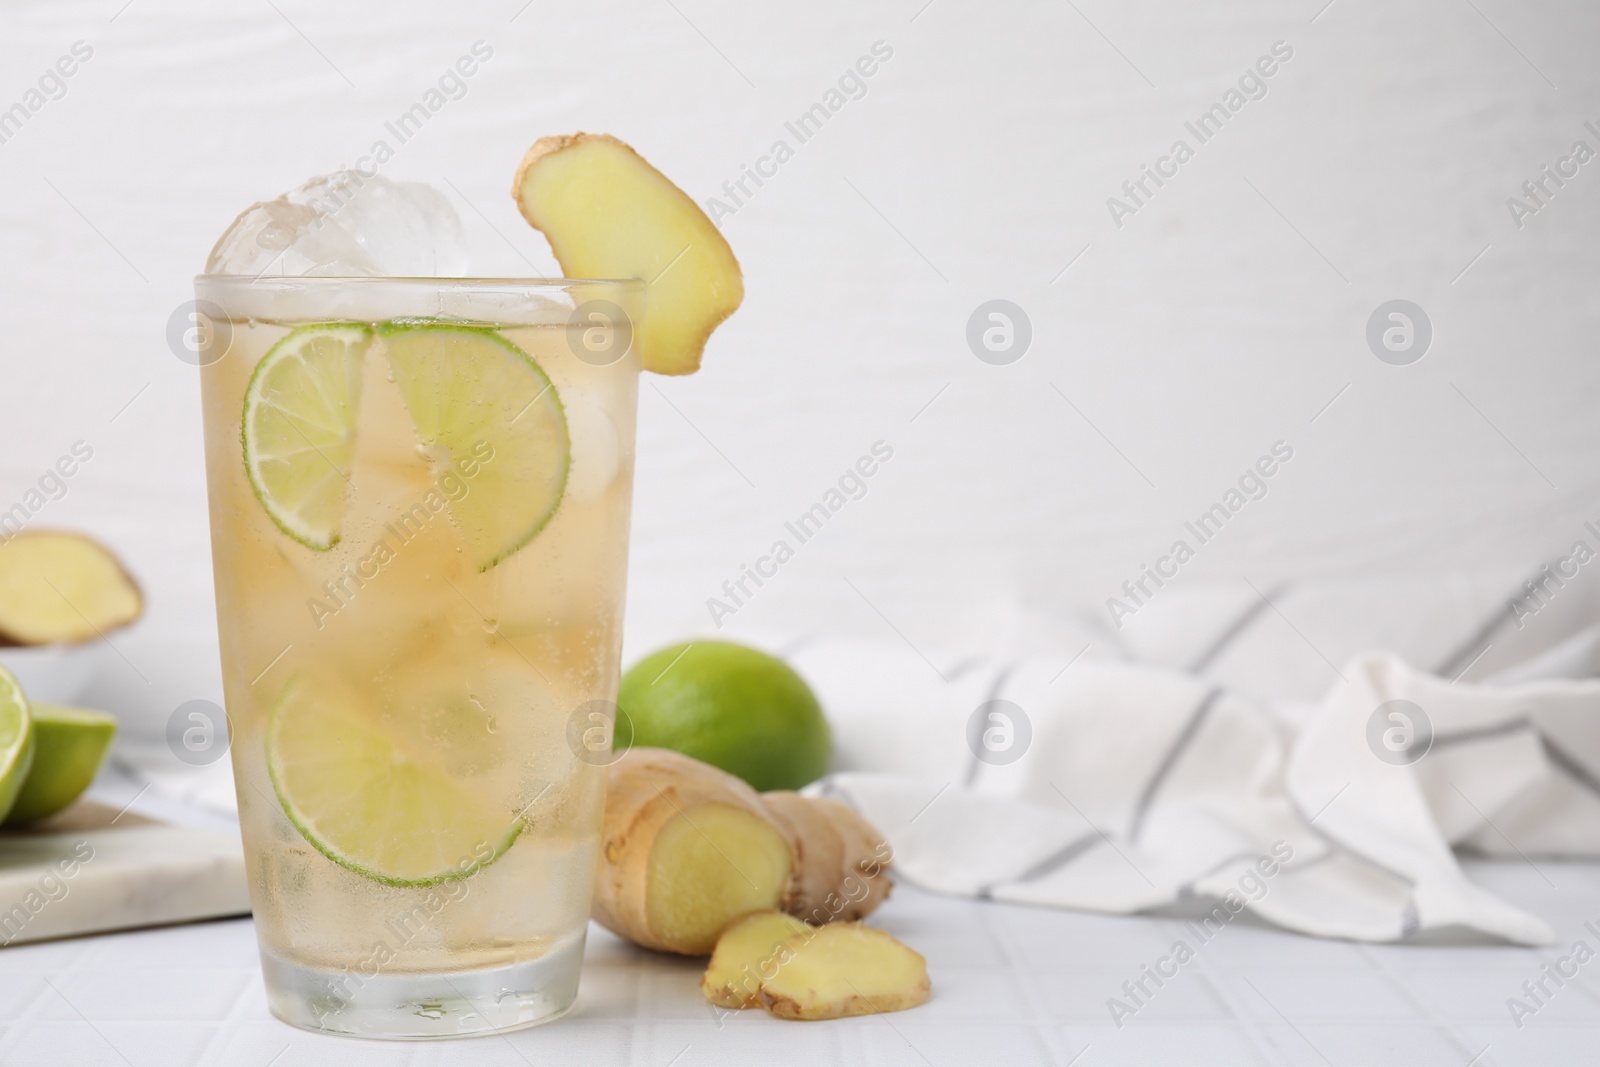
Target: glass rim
373	298
268	281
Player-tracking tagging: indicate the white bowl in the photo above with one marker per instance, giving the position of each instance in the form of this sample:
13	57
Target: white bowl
54	674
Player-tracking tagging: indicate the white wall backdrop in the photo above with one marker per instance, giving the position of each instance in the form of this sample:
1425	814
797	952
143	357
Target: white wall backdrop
1226	313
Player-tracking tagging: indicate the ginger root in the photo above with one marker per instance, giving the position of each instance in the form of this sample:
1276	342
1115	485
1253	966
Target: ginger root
843	870
685	850
748	951
843	969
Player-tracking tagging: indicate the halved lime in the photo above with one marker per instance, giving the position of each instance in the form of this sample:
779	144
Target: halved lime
371	802
70	744
16	740
493	424
300	428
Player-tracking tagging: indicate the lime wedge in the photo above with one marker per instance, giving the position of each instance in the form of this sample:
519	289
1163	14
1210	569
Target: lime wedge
69	746
300	428
16	739
491	420
368	802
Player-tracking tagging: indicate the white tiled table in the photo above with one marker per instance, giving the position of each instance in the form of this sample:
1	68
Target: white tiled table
1012	986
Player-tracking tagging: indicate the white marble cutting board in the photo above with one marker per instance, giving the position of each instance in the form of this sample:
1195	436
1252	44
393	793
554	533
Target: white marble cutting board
92	869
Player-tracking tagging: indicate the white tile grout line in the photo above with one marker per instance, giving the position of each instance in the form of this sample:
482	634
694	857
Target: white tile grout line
1038	1015
1244	1019
1462	1042
212	1053
20	1025
86	958
29	1016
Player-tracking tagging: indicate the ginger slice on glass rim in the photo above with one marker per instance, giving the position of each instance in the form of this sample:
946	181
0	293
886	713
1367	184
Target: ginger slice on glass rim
609	214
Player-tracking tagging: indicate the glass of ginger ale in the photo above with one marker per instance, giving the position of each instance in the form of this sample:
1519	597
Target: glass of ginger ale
419	494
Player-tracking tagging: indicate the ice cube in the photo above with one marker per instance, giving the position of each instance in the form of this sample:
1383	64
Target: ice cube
342	224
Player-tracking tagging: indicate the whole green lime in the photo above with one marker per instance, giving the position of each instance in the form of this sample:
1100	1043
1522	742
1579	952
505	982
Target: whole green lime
730	706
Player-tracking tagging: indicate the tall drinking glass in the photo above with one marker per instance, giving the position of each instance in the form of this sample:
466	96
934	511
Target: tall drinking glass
419	494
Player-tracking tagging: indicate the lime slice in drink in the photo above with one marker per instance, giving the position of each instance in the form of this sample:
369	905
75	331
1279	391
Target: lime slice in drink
70	744
16	740
300	428
493	425
371	803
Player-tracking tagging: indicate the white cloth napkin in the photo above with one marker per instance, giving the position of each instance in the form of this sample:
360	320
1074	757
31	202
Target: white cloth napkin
1131	786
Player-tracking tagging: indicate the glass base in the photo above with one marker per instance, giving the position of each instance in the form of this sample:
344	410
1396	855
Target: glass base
411	1006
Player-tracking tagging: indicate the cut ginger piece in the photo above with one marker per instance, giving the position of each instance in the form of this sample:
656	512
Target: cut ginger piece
609	214
61	587
748	952
845	969
712	863
685	850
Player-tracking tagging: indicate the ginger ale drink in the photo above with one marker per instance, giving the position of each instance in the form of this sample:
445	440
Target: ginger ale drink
419	495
